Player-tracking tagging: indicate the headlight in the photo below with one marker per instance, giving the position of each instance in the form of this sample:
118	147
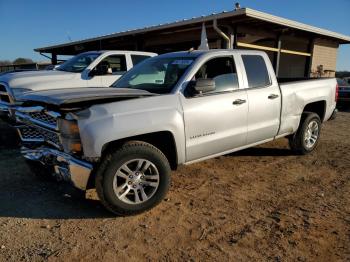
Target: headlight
69	135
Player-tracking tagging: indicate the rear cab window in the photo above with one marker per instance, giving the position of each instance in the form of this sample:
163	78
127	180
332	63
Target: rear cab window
256	70
138	59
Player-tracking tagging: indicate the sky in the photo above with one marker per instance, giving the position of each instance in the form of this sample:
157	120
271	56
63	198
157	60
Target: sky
26	25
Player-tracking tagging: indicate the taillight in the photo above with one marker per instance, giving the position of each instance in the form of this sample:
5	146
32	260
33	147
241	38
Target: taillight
336	93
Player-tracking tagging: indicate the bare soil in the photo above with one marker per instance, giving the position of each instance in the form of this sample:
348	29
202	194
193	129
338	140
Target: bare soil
259	204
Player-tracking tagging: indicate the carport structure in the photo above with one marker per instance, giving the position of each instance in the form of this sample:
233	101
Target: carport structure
295	49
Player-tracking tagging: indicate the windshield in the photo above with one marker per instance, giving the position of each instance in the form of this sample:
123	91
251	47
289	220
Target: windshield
156	75
78	63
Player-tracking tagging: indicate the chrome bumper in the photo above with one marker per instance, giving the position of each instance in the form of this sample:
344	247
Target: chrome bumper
66	167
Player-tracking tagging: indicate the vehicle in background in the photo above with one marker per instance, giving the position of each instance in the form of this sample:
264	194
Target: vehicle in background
16	71
89	69
51	67
344	92
173	109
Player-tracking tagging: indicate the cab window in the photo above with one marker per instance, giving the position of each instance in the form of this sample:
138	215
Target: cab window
138	59
222	70
256	71
116	64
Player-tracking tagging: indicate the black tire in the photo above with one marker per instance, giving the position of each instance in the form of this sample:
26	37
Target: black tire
297	142
41	172
105	175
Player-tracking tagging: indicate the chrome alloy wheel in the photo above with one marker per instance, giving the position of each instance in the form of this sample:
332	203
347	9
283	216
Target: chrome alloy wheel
136	181
311	134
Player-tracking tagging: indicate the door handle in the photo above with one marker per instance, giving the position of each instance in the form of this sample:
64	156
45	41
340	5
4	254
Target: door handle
239	102
272	96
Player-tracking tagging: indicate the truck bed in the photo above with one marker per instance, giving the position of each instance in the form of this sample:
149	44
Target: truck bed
298	93
298	79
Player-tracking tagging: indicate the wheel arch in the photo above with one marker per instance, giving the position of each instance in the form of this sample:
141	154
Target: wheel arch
163	140
318	107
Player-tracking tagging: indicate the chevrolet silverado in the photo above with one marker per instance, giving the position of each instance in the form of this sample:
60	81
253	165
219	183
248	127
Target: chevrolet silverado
173	109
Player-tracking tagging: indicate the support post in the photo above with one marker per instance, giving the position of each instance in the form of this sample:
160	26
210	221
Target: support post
278	55
235	33
54	59
308	62
139	44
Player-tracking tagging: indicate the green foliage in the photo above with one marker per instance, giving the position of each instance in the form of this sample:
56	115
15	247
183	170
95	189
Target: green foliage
5	62
21	60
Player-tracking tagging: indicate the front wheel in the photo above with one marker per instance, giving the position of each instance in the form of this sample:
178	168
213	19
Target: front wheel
306	138
133	179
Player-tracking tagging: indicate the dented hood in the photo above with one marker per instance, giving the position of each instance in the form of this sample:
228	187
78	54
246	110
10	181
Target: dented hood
61	97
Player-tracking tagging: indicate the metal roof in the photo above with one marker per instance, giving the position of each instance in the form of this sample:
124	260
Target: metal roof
225	14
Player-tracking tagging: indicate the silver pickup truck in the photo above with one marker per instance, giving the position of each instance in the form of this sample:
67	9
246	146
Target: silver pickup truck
174	109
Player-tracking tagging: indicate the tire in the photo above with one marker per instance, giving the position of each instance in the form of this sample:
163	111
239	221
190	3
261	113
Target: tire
306	138
40	171
133	179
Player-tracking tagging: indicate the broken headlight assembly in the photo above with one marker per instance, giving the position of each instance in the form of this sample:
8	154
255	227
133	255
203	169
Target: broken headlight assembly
70	136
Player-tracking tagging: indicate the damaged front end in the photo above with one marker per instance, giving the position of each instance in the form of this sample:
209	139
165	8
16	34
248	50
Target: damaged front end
52	139
7	103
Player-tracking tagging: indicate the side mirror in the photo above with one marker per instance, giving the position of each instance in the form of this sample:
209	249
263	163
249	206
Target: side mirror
204	85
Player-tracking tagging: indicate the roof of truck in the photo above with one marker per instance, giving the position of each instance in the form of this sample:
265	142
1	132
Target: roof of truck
120	52
197	53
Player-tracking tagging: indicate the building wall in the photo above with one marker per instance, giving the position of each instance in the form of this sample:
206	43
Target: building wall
324	58
292	66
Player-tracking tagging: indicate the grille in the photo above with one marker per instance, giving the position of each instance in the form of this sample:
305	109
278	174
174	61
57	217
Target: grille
43	117
30	134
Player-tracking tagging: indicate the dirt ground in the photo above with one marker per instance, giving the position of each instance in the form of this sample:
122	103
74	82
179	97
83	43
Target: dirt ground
259	204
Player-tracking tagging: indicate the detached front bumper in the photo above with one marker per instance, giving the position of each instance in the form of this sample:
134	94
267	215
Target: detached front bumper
65	166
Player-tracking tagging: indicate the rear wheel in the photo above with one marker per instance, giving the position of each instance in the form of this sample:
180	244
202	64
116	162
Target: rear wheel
306	138
133	179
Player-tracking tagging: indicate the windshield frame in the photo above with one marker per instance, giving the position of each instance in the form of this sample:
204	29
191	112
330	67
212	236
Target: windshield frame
175	87
74	58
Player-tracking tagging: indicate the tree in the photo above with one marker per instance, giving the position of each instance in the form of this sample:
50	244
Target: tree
22	60
5	62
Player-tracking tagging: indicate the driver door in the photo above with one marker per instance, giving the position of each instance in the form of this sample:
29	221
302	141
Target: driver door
216	122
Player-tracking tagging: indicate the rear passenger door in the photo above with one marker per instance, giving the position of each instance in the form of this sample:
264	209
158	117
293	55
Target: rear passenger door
263	97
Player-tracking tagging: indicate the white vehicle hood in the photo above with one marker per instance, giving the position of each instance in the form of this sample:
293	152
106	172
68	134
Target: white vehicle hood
21	82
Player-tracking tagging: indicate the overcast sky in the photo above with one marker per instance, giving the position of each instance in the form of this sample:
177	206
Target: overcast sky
26	25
